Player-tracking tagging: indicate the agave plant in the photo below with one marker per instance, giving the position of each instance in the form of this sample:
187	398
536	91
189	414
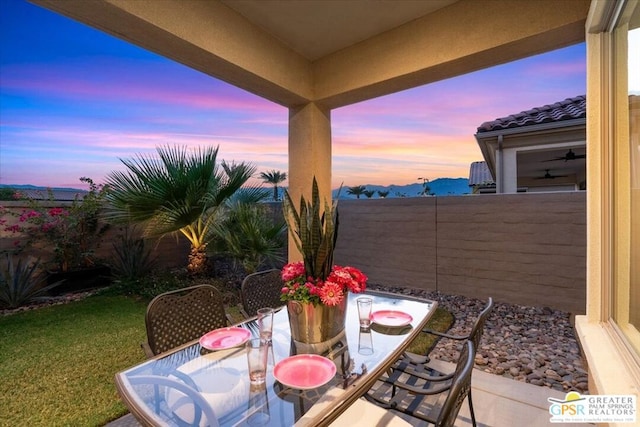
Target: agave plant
21	283
132	259
314	231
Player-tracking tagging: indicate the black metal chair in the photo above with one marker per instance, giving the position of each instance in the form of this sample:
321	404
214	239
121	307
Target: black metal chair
411	369
177	317
436	402
261	289
475	334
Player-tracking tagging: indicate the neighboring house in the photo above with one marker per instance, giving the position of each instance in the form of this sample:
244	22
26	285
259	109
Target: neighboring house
313	57
480	179
542	149
57	194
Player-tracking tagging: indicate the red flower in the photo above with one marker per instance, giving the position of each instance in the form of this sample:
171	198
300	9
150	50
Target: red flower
331	293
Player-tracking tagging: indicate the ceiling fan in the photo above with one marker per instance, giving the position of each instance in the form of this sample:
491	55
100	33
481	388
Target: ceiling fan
570	155
547	175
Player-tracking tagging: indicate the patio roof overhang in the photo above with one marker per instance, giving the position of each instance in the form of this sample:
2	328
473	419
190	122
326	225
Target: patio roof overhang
335	53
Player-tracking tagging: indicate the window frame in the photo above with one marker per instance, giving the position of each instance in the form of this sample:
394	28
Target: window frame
608	344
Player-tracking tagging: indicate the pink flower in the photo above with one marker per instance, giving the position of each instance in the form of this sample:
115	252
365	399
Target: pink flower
13	228
331	293
292	271
313	288
58	212
47	226
27	215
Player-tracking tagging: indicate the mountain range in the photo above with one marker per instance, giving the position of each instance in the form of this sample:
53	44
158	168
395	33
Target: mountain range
437	187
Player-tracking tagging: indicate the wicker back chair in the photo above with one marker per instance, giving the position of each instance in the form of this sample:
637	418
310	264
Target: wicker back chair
177	317
261	289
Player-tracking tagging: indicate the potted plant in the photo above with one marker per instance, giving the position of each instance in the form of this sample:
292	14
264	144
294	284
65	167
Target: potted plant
314	289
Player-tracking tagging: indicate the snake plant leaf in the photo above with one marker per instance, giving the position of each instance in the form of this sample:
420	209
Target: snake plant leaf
314	232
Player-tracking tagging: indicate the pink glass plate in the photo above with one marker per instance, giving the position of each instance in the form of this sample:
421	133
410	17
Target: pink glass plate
304	371
391	318
223	338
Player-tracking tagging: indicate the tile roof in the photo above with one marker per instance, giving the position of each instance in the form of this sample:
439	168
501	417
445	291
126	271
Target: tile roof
479	174
58	194
569	109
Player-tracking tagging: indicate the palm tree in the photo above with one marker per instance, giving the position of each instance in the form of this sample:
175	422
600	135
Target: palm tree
176	192
274	178
369	193
357	191
248	233
383	193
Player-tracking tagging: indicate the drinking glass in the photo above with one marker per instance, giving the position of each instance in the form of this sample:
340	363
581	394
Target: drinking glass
257	351
364	311
258	405
365	342
265	323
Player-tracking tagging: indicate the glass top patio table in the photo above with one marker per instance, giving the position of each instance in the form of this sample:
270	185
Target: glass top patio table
221	377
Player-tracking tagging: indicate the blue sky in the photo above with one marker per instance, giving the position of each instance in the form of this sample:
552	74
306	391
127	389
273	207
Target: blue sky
73	101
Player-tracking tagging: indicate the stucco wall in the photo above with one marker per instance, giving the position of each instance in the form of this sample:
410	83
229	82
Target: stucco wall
526	249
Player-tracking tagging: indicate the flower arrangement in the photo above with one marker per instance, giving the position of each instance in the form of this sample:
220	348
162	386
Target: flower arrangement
331	291
315	279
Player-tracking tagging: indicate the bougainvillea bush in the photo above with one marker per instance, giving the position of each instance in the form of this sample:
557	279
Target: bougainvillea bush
71	232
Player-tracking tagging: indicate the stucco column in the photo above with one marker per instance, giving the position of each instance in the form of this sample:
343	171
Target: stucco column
510	171
309	156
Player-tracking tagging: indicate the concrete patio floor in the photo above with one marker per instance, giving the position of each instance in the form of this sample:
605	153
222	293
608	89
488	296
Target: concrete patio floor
503	402
497	401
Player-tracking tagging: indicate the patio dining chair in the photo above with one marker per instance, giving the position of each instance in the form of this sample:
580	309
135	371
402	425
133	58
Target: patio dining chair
437	402
475	334
261	289
411	369
177	317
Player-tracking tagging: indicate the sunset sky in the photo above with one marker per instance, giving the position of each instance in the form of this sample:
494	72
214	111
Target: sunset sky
74	100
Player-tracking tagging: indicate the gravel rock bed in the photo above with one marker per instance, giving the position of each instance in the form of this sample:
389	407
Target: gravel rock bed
536	345
47	302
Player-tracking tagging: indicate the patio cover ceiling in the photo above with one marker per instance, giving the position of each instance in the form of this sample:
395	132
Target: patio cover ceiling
335	53
315	29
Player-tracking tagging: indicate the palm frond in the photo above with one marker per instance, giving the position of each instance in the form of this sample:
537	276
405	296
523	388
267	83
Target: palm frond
175	191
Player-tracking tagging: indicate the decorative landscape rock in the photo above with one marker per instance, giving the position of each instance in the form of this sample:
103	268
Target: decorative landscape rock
536	345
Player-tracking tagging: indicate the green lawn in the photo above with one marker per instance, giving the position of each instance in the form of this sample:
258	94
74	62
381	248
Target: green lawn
57	364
